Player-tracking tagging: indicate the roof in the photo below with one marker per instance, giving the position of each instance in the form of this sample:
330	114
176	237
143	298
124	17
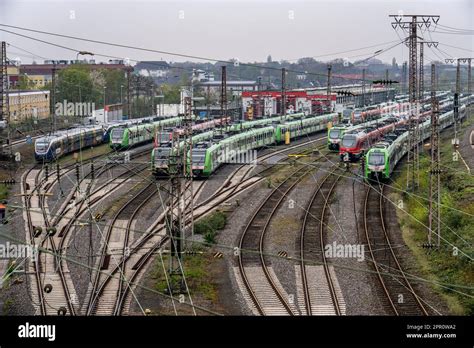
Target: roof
27	92
152	65
229	83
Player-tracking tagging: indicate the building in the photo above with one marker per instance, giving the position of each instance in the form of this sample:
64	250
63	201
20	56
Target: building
234	88
28	105
155	69
267	103
113	112
13	73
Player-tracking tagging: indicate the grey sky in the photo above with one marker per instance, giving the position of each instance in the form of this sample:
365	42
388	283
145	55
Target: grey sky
247	30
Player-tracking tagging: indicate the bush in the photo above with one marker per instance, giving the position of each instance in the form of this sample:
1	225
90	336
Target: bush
210	225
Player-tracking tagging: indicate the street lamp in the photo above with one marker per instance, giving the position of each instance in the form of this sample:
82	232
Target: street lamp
121	94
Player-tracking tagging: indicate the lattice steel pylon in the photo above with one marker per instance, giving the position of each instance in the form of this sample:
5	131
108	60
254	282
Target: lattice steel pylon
469	87
180	220
363	87
328	97
413	90
434	222
223	95
404	78
4	101
283	92
188	193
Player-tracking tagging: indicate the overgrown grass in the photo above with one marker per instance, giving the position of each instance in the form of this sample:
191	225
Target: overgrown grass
210	226
4	191
450	265
199	275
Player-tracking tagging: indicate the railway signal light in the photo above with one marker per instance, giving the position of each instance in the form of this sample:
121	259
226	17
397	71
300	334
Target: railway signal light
428	246
8	182
384	82
345	93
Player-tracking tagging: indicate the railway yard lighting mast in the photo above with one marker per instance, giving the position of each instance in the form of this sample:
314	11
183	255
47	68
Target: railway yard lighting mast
413	88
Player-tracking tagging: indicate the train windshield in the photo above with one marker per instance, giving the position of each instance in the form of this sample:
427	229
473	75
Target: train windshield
164	137
117	133
334	133
199	157
41	146
349	140
376	158
162	154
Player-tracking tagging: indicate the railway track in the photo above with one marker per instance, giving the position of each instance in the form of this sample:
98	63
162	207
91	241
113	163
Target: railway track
261	284
120	229
321	293
52	294
111	293
52	287
396	288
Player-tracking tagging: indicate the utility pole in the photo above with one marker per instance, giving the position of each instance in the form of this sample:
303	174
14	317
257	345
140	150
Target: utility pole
283	92
469	87
413	88
435	170
4	99
421	81
329	88
188	193
174	220
223	95
458	91
53	99
363	87
386	88
404	78
129	88
179	222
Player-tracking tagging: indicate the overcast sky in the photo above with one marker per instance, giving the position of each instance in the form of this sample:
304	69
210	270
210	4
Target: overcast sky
246	30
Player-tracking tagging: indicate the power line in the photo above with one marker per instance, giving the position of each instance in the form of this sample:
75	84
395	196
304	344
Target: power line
153	51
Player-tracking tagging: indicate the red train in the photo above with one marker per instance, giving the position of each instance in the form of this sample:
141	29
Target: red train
354	144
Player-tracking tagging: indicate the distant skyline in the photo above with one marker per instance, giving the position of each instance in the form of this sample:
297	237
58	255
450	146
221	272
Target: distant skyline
244	30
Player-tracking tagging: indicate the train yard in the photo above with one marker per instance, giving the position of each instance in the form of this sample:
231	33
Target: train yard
306	232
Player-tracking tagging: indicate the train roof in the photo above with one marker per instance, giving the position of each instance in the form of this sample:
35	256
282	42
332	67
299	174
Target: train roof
68	133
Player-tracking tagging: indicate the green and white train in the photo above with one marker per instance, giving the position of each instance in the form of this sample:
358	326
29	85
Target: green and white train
126	137
160	154
245	125
383	157
239	148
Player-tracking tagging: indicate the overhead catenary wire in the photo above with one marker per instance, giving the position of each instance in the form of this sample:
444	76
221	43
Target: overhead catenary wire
155	51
